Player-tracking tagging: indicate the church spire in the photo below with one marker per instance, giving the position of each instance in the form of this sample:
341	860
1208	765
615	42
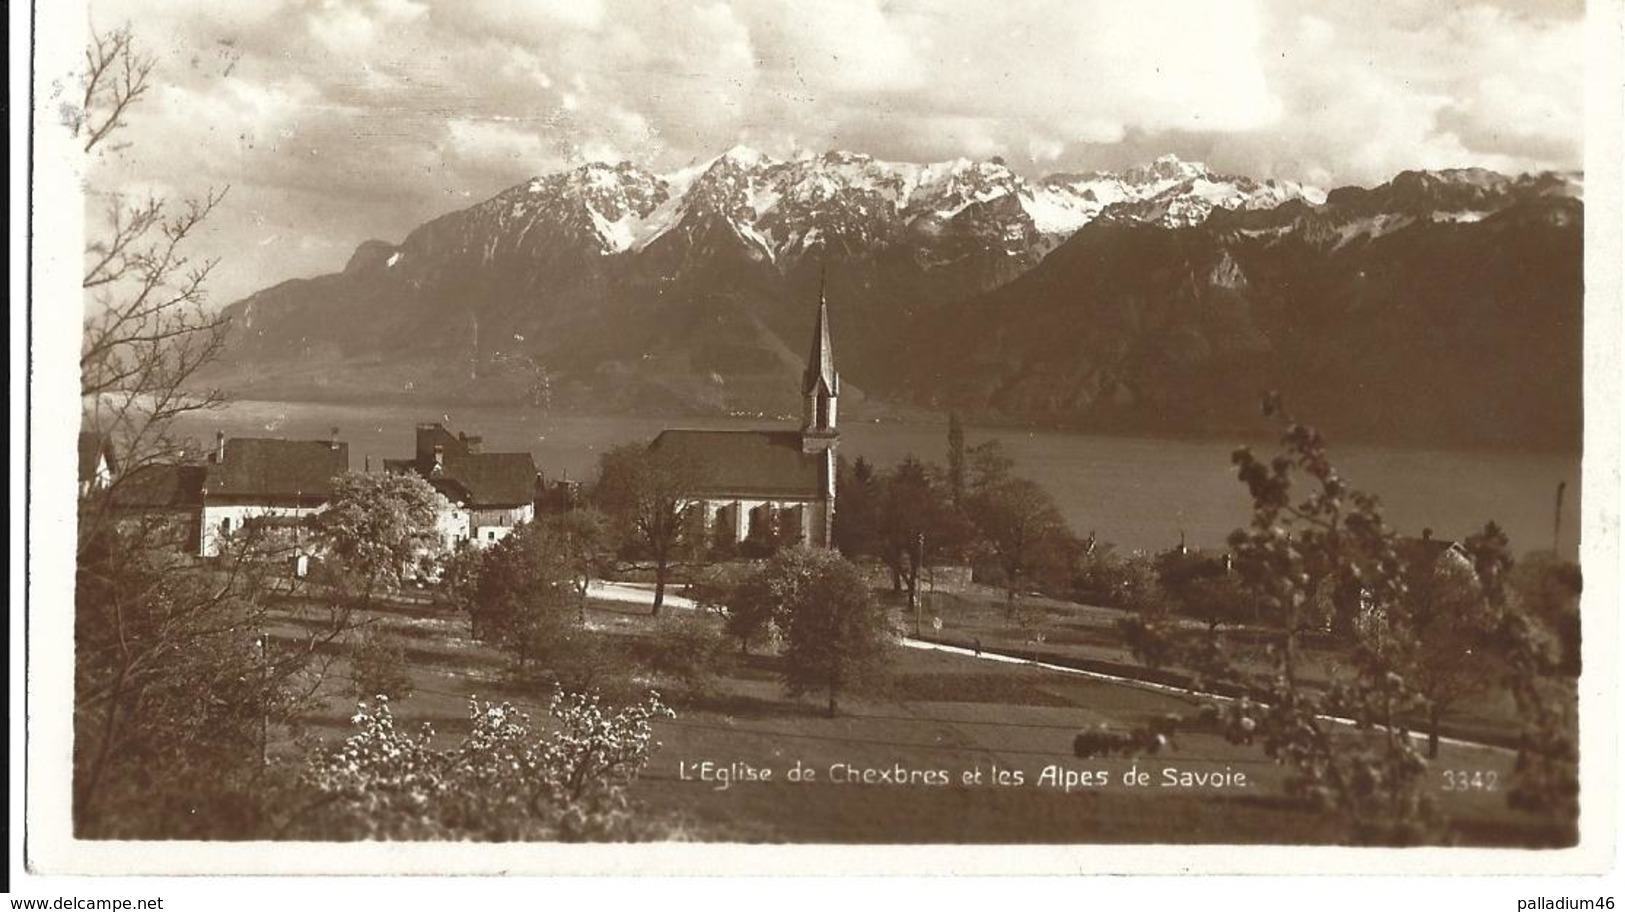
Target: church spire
821	361
820	384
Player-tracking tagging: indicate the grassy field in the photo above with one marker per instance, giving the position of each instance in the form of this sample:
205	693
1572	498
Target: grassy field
1067	633
956	749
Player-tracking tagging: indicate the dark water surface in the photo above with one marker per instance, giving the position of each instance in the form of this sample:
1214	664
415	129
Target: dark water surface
1137	493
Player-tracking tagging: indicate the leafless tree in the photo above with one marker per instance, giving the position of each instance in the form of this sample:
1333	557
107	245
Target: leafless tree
183	667
148	330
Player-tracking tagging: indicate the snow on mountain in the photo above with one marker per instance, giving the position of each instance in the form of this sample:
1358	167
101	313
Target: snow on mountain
782	209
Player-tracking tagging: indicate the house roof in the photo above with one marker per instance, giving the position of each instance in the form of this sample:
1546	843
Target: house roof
160	486
265	467
433	435
93	447
489	479
748	463
1425	552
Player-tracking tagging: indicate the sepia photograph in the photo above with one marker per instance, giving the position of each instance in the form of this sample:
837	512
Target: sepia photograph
583	435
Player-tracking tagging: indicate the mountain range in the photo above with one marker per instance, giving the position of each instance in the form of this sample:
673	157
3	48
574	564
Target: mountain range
1438	307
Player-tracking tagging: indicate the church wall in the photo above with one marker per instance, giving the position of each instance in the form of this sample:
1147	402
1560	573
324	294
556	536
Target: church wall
735	515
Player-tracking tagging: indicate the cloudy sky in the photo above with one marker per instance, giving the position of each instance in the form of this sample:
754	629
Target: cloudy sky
334	121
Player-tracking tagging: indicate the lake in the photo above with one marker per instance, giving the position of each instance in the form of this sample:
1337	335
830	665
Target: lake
1136	493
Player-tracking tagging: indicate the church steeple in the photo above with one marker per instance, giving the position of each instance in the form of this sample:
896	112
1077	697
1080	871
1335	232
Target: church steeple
820	384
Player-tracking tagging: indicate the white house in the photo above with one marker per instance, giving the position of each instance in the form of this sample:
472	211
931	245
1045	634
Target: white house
487	493
275	482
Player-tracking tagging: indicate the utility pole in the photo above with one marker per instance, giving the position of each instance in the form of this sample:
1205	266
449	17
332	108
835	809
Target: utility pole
265	711
914	590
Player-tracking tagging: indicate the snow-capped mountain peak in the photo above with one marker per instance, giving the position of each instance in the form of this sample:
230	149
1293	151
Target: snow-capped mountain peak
780	209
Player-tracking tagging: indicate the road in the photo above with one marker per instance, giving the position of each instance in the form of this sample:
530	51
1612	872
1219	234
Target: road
635	593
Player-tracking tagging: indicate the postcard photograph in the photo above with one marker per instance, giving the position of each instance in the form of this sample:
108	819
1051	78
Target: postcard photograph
1002	433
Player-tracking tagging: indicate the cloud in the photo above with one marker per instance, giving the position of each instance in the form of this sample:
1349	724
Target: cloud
339	120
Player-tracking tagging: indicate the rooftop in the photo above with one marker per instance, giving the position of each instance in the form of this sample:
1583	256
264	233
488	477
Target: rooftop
267	467
160	486
93	447
490	479
748	463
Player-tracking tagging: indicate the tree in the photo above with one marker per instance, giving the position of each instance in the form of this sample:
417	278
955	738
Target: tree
1149	631
1538	639
1021	526
753	604
503	782
581	537
835	633
1454	624
989	464
524	597
1333	542
646	493
857	508
148	330
918	524
177	682
956	457
377	525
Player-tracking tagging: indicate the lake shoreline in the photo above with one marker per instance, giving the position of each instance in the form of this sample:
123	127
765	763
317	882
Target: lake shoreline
1138	493
1261	434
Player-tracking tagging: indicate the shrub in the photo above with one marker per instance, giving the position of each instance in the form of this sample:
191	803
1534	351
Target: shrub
378	665
687	649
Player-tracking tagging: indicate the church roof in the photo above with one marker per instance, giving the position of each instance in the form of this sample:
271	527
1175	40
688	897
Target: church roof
748	463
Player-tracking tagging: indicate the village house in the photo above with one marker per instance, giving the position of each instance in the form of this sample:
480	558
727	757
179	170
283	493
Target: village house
97	463
163	499
488	494
266	482
771	484
1424	559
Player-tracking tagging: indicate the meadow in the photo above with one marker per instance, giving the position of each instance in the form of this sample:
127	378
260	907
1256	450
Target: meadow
948	748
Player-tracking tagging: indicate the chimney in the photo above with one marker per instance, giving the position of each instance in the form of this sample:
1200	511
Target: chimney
366	462
1427	534
219	447
333	438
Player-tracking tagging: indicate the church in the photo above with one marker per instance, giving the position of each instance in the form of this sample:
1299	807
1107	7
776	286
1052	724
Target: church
777	484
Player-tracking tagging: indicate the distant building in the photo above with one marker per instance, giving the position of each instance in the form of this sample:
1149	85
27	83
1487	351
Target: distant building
264	481
1424	559
1428	554
558	496
164	499
489	493
778	484
97	463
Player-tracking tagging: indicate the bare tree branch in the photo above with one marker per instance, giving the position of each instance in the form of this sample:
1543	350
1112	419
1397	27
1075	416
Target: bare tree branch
115	77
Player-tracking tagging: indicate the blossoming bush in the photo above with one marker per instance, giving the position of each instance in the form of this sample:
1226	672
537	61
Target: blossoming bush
502	782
